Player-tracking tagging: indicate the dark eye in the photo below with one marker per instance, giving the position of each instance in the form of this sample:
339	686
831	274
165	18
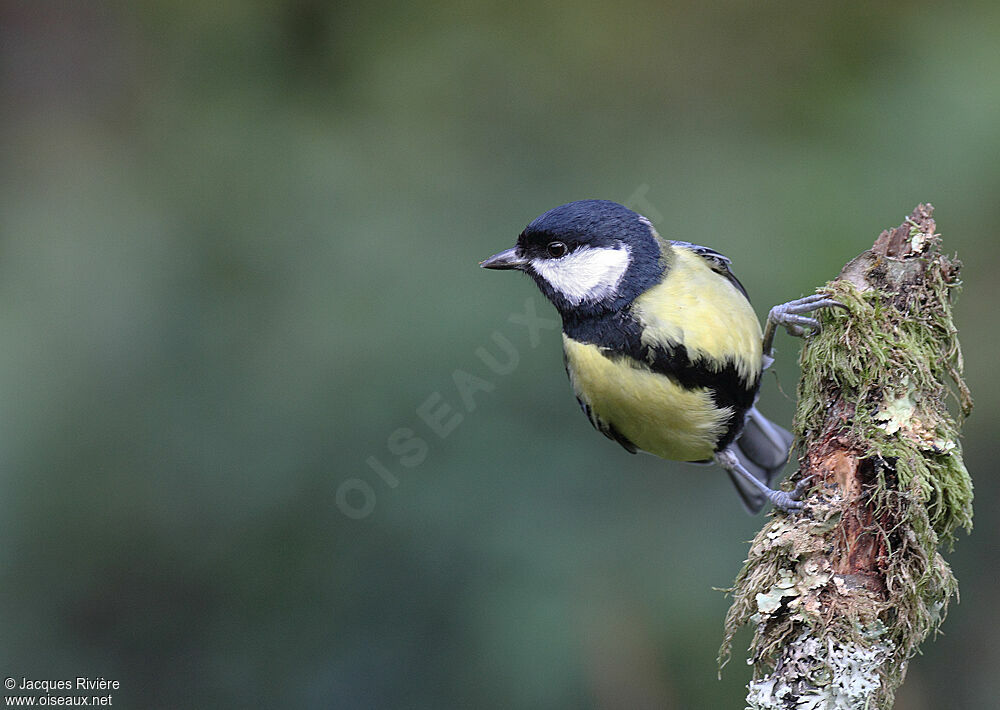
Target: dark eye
556	249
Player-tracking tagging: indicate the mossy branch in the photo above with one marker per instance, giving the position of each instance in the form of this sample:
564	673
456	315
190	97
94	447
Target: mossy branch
841	596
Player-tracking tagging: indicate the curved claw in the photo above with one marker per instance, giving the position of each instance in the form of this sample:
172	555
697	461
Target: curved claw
812	302
801	487
796	325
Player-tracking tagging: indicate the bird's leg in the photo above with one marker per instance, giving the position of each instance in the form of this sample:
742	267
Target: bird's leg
787	502
791	316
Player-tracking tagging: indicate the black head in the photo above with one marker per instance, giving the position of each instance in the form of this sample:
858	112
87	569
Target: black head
587	257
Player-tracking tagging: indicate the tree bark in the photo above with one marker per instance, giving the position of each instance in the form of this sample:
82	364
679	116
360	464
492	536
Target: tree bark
841	595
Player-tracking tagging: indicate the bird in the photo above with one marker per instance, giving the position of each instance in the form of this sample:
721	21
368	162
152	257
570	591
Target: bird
663	349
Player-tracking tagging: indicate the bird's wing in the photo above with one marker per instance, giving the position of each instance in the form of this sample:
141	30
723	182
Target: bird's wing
717	262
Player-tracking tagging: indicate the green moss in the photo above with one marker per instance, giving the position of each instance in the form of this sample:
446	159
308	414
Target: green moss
876	355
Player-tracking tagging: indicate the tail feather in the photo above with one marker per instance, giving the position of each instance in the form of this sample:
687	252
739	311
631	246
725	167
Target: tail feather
763	449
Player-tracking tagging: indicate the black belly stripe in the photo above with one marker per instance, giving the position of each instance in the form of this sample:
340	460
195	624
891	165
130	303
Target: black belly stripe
619	336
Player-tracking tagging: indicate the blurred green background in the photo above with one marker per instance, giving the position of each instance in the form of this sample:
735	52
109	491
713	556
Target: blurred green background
238	248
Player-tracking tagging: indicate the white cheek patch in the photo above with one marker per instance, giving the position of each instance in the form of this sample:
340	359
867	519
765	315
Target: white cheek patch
587	274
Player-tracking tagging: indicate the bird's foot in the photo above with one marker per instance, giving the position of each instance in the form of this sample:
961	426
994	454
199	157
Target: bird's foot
790	501
791	315
784	501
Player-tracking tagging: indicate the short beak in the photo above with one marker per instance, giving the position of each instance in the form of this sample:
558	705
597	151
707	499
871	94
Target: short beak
507	259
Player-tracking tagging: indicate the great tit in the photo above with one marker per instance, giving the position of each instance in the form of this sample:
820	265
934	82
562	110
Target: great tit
662	347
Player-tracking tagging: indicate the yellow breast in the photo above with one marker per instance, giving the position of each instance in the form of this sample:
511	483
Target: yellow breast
650	410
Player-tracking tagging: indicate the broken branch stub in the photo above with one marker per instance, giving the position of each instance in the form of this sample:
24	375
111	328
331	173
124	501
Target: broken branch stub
841	596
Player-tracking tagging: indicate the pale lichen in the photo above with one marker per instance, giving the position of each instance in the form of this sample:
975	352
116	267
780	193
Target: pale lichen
822	676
